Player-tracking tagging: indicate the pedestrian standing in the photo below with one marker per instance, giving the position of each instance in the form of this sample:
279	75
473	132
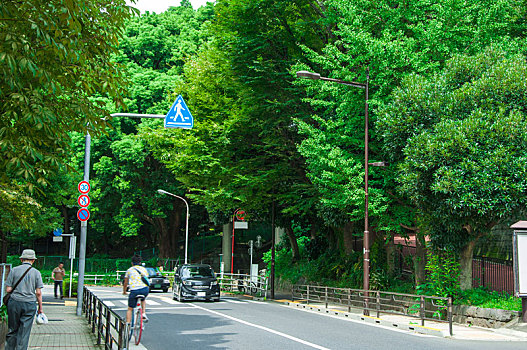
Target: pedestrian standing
21	307
58	276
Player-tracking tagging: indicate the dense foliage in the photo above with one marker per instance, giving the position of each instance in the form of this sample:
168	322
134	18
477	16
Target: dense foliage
446	107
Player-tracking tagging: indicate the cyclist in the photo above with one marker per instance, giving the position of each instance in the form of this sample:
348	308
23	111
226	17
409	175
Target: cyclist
134	278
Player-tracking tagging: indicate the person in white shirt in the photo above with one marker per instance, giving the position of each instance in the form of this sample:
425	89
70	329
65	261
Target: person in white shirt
133	279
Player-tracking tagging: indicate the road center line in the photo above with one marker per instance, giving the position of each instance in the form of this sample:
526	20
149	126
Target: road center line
262	328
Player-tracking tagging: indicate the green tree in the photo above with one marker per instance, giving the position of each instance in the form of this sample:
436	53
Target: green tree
462	133
54	55
393	40
242	150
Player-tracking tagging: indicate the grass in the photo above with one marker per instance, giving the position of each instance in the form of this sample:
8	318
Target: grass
482	297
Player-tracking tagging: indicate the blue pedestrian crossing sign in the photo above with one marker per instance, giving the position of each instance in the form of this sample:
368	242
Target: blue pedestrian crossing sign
179	116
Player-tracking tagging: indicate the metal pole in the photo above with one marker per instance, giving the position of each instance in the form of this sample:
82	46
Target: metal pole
186	232
366	242
273	242
84	230
232	245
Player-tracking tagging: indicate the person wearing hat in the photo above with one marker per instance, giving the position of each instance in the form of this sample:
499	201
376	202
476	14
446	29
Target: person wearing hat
22	304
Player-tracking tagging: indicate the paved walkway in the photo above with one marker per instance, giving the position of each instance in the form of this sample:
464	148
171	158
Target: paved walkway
65	329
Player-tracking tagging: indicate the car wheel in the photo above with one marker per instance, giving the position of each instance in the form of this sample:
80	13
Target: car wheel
216	300
165	290
174	293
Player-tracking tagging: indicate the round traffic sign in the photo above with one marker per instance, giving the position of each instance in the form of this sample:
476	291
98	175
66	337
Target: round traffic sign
83	214
57	232
84	187
240	215
83	200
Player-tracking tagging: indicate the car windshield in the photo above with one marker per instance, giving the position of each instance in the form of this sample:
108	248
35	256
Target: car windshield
197	271
151	271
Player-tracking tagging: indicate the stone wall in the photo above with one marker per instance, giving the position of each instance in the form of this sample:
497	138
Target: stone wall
481	317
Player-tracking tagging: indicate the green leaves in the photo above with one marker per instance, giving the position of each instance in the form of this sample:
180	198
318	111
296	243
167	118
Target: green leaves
464	154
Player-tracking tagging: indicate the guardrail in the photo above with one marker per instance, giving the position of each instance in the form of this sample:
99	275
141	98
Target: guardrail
422	307
236	282
110	327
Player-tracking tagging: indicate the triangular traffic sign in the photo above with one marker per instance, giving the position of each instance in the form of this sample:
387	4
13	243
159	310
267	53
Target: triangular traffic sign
179	116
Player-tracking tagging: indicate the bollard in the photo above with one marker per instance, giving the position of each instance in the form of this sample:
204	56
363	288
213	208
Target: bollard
422	311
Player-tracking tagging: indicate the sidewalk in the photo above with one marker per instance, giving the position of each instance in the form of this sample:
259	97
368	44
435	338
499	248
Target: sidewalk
65	329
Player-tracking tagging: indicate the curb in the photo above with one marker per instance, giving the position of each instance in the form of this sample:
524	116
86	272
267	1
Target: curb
368	319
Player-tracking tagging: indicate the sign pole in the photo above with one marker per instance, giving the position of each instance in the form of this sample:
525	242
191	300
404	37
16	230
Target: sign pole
84	231
73	245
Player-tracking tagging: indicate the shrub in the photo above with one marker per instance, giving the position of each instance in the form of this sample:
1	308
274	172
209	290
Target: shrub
66	287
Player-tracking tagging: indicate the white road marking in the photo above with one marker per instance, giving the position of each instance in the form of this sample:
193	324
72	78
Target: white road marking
125	302
233	301
170	301
155	309
151	302
108	303
290	337
256	302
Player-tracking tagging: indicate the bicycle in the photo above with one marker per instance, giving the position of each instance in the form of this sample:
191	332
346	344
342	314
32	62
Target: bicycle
136	326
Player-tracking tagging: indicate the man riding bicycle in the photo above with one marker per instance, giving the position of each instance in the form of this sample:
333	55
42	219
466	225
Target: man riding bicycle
134	278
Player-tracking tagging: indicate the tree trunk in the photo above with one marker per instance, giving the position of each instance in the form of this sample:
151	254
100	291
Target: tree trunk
419	260
294	243
390	256
465	266
169	234
3	253
347	238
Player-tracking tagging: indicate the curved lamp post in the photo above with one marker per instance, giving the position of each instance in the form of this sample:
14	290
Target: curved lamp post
186	225
366	240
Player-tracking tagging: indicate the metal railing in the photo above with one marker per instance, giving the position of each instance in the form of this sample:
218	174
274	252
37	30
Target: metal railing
494	274
422	307
109	327
237	282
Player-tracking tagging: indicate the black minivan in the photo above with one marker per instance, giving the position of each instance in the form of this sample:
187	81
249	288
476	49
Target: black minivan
195	281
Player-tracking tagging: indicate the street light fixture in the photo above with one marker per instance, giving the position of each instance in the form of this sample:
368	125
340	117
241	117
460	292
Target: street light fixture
366	240
188	215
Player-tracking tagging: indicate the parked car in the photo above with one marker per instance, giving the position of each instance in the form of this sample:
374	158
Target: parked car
195	281
157	280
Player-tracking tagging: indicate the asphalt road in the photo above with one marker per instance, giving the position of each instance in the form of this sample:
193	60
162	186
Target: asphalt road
245	324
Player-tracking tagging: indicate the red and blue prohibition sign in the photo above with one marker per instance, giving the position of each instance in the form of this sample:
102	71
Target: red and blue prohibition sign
83	200
83	214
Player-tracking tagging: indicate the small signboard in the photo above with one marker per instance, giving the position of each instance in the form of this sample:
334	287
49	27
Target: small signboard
57	238
84	187
83	214
179	115
244	225
520	257
83	200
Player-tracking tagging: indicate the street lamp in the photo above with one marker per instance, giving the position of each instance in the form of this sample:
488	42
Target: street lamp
188	215
366	243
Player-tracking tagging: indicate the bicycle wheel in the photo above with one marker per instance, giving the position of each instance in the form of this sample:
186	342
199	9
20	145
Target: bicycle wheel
138	325
254	288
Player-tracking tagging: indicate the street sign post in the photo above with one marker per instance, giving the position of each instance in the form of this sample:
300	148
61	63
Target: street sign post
57	238
179	115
